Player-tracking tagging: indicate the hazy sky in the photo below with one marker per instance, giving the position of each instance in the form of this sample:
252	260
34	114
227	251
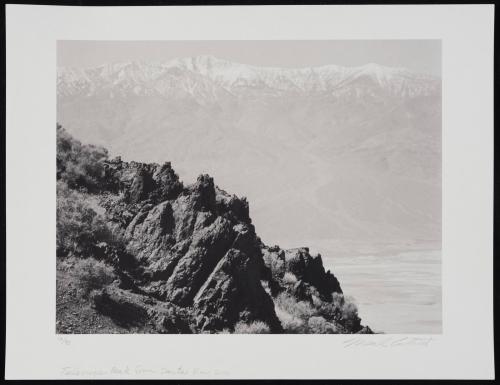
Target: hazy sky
418	55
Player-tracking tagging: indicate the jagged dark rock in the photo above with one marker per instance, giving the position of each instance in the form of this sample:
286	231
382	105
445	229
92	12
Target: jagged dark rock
310	269
365	330
198	249
141	181
190	259
233	293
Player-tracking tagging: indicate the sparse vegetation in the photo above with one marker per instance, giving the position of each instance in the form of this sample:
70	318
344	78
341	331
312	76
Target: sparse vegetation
319	325
80	166
276	264
92	275
79	227
289	278
292	313
341	309
255	327
80	173
318	317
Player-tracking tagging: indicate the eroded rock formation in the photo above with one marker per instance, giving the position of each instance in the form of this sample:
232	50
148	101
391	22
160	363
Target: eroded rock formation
187	260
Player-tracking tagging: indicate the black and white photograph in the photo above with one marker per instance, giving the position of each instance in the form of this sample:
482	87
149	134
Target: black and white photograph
249	186
249	192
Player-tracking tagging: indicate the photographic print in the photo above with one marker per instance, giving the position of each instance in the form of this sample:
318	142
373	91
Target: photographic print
249	186
197	183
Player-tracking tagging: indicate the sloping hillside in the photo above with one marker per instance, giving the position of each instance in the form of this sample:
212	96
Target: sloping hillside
139	252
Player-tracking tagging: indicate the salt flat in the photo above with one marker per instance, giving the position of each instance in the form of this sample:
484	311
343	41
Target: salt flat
398	293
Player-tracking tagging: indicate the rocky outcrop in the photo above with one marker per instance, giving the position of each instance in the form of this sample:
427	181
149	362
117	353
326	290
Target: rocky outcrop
192	261
233	293
131	309
142	181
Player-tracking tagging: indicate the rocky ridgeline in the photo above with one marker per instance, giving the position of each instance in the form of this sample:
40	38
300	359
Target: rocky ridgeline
153	255
192	261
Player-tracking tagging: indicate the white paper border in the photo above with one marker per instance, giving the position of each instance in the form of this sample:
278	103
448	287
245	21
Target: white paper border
464	350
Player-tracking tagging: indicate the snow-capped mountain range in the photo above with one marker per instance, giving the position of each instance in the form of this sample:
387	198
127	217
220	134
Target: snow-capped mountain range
330	152
208	75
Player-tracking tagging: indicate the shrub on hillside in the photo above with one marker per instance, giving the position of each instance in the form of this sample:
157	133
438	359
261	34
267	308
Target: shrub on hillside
317	317
293	314
319	325
91	275
342	310
79	227
289	278
255	327
80	166
275	264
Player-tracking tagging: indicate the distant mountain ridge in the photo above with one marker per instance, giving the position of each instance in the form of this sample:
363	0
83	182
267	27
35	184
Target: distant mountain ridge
327	153
154	78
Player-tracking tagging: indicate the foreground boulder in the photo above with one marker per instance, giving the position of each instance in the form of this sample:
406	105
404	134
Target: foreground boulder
131	309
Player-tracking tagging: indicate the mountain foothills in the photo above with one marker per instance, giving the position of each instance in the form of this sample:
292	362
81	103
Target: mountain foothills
327	152
139	252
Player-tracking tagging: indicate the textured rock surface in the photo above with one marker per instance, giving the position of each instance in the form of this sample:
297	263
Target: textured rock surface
127	308
233	293
196	246
187	259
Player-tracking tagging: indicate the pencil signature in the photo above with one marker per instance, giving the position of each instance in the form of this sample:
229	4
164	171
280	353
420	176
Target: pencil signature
388	342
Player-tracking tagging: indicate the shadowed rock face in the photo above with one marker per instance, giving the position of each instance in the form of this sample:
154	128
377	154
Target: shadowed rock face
308	270
197	255
233	293
141	181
